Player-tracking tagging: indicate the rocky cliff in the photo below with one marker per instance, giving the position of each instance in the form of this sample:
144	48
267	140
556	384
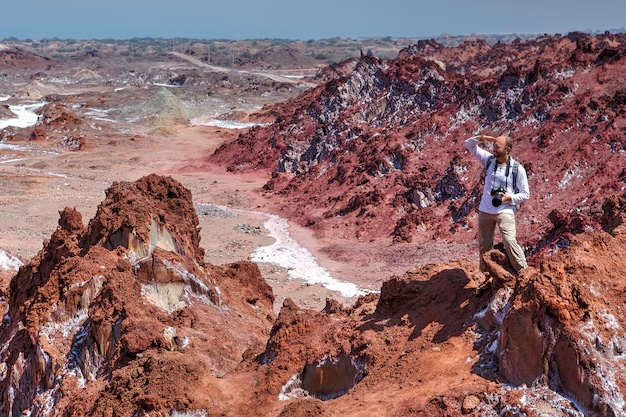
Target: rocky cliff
379	151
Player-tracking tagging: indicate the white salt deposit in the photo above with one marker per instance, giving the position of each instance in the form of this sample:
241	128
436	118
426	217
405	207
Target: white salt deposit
4	98
10	147
166	85
25	116
66	327
192	413
229	124
54	174
99	114
188	277
8	262
47	401
299	262
169	332
292	389
12	160
610	322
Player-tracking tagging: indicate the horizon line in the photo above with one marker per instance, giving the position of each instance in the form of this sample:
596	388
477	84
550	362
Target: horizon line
364	37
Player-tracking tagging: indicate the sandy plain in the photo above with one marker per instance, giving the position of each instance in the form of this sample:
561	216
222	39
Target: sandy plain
37	182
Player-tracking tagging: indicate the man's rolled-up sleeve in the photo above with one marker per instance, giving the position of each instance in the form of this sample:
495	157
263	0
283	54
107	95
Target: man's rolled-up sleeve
479	153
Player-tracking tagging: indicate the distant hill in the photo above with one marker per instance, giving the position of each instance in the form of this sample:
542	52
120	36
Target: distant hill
16	58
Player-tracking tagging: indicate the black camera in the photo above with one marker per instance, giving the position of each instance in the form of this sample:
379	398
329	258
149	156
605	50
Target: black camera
497	197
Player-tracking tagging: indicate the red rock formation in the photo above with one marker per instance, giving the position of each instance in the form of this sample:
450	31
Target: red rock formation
124	316
380	151
56	116
555	333
56	122
336	70
563	327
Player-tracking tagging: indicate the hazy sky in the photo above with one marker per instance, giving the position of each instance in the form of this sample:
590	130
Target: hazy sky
244	19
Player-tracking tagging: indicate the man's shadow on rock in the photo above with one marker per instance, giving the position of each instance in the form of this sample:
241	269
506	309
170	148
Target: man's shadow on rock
445	298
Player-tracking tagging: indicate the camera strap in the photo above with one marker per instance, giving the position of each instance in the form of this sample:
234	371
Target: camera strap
506	174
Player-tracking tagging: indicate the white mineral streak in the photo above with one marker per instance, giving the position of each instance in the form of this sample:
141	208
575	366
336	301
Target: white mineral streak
8	161
99	114
229	124
8	262
292	389
25	116
193	413
65	328
166	85
605	368
299	262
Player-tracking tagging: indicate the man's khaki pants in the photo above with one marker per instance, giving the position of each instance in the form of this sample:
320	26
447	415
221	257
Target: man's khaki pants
506	223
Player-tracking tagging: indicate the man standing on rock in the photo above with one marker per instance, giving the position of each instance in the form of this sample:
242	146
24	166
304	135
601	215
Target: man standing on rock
506	186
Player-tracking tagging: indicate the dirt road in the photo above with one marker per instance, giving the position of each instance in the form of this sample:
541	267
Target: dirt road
271	76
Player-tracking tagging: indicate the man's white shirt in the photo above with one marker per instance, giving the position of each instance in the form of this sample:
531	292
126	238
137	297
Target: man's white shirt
498	179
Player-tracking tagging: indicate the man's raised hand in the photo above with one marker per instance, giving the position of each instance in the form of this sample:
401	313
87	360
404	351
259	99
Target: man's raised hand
485	138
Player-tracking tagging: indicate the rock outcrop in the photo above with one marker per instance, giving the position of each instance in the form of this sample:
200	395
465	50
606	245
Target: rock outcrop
380	152
124	316
56	122
563	326
6	113
547	342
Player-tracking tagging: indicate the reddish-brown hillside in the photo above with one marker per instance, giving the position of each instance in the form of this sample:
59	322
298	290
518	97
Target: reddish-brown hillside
19	59
380	152
430	346
124	318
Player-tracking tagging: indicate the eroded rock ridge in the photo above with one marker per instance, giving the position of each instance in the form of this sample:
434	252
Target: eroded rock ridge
379	151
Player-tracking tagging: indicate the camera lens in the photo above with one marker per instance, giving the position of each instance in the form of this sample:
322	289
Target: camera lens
496	200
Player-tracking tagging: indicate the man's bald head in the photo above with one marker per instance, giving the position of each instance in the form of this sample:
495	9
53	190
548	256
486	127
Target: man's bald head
502	147
505	142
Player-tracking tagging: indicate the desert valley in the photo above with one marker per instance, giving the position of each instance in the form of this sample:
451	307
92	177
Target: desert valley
286	228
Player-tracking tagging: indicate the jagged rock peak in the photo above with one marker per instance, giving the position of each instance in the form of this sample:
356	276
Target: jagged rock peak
106	315
154	211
